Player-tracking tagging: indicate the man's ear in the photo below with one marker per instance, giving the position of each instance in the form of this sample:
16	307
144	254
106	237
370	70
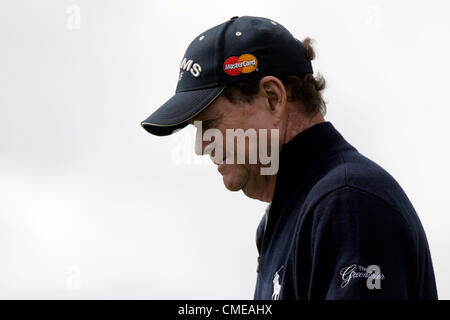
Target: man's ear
276	94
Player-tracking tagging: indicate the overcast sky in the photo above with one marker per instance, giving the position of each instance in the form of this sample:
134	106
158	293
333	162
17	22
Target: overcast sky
92	206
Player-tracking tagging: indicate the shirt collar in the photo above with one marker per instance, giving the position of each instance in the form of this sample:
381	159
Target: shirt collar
300	159
306	152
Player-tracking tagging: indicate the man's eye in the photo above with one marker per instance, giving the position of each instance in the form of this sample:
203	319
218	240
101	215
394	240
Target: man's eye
207	123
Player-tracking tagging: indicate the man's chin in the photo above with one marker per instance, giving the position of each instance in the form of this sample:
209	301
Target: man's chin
232	185
234	176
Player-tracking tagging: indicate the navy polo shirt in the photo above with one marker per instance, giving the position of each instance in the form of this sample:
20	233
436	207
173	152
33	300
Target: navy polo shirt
339	227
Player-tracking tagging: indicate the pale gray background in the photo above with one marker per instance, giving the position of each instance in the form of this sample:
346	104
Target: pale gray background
92	206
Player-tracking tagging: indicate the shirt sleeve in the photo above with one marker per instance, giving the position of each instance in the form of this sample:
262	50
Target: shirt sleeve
361	248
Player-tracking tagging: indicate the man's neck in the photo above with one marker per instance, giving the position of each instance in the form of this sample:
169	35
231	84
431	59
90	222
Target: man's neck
295	123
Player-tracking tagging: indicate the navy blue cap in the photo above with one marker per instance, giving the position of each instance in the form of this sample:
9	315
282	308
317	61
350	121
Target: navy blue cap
241	48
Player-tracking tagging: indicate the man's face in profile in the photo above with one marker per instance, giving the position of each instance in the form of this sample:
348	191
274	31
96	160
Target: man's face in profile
223	115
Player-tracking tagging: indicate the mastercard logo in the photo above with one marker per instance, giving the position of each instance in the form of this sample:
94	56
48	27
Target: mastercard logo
234	66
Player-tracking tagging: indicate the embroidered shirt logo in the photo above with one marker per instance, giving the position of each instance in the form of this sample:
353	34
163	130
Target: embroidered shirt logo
372	273
276	285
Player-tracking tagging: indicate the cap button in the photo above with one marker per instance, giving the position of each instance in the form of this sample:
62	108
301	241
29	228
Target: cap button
235	17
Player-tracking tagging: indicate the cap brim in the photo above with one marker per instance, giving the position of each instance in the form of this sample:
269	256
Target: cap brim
175	113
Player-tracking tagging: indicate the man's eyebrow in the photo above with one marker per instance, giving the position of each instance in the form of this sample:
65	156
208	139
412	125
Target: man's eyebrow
209	119
212	120
216	116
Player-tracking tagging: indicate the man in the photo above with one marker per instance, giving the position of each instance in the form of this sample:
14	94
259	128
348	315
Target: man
338	226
